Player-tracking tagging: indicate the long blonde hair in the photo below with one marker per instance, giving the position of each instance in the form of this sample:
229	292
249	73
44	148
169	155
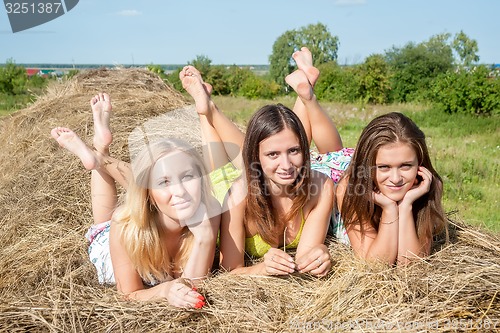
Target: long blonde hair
142	233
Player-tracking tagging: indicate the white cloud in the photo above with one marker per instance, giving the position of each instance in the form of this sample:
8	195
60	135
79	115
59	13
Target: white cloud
349	2
129	12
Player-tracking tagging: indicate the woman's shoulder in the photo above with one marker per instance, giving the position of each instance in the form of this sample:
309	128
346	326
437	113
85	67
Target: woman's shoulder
319	179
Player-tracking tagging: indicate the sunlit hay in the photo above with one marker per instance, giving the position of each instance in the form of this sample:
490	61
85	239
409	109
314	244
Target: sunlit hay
47	283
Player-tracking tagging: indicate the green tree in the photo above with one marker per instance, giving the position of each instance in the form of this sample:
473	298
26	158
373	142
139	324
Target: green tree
316	37
468	91
466	49
280	61
336	83
322	44
374	82
202	63
235	77
415	66
257	87
13	78
215	75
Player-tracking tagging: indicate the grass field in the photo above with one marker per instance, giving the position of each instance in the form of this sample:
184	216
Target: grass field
464	149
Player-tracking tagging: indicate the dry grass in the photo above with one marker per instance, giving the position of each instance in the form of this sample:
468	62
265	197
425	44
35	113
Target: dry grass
47	283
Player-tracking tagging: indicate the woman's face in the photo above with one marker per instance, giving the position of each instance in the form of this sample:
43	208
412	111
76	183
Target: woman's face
396	170
281	158
176	185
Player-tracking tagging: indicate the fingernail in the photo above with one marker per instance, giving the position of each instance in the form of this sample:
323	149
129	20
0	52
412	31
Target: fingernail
199	305
201	298
195	289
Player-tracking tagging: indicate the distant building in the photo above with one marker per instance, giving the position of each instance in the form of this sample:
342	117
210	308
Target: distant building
32	71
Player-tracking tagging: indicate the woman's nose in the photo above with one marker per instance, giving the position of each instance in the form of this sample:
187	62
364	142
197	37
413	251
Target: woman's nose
285	163
177	188
395	176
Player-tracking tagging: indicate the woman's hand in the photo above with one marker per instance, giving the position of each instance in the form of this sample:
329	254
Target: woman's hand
316	261
383	201
201	223
278	262
419	188
183	296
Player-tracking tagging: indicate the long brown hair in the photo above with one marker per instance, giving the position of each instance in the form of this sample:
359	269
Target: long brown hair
268	121
358	204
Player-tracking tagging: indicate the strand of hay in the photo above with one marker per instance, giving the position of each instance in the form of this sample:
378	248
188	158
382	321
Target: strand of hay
47	283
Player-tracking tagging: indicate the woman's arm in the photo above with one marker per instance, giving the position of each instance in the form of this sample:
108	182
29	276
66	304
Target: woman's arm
410	246
232	231
129	282
373	245
204	240
312	255
232	240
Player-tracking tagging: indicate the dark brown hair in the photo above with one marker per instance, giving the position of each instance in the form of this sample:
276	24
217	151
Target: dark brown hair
268	121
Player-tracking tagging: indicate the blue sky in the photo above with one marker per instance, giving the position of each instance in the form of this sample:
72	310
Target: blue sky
241	32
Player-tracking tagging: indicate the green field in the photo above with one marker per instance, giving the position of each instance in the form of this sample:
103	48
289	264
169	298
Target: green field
465	150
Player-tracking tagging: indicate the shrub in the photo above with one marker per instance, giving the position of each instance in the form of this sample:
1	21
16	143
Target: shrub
467	91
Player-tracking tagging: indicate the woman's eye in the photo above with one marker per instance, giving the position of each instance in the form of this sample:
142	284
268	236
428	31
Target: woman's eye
165	182
383	167
294	151
272	155
188	177
406	167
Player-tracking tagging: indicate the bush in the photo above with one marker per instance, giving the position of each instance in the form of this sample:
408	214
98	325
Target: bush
256	87
13	79
467	91
374	85
337	84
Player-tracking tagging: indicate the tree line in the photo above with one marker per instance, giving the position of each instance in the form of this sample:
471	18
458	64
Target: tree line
443	70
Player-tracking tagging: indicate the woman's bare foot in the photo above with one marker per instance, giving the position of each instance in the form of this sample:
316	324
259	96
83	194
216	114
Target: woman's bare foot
199	90
72	142
304	61
299	82
101	112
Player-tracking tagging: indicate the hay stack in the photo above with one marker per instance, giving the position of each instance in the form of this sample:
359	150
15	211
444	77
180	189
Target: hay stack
48	284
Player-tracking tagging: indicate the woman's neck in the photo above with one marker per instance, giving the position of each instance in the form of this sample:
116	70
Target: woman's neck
172	227
280	191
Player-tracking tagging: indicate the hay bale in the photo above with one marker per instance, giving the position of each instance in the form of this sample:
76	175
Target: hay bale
48	284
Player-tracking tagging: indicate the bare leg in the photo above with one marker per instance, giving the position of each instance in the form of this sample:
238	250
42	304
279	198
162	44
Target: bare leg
214	152
101	113
103	190
216	127
318	125
68	139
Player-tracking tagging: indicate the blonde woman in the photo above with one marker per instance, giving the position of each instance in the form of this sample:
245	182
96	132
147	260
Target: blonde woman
161	239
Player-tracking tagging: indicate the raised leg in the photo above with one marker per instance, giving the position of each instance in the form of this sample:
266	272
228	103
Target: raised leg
103	189
221	136
319	126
